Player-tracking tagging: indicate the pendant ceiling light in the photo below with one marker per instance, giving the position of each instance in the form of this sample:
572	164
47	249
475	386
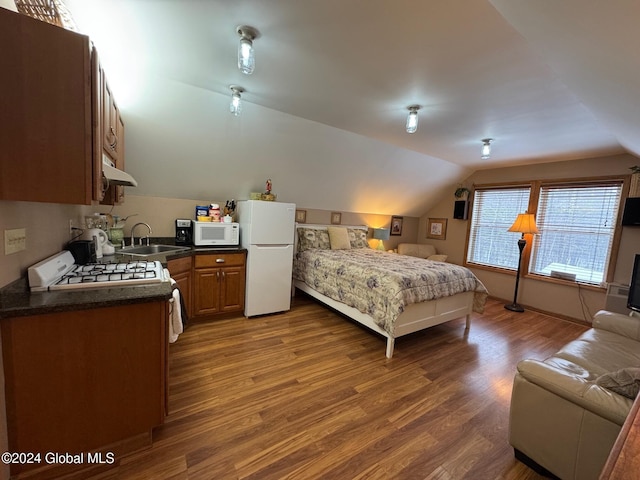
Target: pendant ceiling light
486	148
412	119
235	107
246	55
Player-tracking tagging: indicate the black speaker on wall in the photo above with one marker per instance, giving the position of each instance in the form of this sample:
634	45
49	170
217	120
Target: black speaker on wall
461	209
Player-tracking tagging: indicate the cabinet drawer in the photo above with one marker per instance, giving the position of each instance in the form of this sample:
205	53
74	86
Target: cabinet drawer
179	265
220	260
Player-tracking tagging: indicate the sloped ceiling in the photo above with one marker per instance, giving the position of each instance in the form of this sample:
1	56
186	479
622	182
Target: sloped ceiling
324	111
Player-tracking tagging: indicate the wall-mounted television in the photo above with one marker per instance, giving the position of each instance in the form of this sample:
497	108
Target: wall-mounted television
633	301
631	215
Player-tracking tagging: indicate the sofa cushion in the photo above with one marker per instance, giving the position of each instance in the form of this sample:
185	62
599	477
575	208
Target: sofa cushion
598	352
625	381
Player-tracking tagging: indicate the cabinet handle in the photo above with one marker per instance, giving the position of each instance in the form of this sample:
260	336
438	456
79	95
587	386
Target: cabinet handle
223	276
218	275
219	260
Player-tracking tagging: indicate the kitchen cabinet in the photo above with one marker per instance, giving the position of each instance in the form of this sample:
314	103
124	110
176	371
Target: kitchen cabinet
86	380
180	270
109	130
45	111
51	114
219	283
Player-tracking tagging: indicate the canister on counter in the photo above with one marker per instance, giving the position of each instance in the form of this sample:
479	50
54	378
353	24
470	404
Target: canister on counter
214	212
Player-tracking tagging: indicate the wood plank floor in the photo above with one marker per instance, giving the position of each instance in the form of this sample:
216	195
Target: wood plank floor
310	395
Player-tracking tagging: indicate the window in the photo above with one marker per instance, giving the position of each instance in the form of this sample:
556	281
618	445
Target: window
494	211
577	226
576	221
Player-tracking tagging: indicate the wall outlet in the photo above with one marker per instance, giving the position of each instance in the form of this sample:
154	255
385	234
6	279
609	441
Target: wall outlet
15	240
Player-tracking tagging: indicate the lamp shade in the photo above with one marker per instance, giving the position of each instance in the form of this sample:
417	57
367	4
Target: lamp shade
381	233
525	223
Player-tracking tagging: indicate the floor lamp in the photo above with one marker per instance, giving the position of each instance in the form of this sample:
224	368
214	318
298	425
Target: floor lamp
381	234
525	223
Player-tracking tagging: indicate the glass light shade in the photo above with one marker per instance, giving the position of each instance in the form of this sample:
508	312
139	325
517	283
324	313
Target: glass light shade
486	149
525	223
412	121
246	56
235	107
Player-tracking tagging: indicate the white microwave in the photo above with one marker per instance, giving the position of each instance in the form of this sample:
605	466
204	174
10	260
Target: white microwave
216	234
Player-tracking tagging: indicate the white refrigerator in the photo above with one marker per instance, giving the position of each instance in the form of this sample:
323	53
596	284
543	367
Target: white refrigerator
267	231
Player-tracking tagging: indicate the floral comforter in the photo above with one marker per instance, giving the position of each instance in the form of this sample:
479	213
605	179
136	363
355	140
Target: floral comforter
382	284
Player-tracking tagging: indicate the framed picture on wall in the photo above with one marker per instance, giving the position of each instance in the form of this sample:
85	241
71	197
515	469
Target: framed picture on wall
301	216
396	226
336	218
437	228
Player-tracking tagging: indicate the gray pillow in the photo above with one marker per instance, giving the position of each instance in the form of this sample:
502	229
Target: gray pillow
625	382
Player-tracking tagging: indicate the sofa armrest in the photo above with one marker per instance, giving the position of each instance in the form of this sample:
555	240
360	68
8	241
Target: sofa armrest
577	390
626	325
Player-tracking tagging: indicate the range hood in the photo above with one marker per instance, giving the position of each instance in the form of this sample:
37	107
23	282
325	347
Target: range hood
115	176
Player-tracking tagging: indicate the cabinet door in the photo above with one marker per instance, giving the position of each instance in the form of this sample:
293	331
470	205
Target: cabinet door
112	136
45	106
80	380
232	289
206	282
180	270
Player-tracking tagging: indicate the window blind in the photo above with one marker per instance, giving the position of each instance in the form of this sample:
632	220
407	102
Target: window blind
577	225
494	211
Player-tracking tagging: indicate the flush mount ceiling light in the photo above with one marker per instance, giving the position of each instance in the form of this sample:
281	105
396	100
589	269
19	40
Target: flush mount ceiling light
412	119
235	107
486	148
246	55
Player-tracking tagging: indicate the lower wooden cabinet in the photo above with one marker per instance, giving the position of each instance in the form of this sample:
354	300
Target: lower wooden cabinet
180	270
218	283
80	381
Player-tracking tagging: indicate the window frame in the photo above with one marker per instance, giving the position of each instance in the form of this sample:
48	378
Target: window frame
534	196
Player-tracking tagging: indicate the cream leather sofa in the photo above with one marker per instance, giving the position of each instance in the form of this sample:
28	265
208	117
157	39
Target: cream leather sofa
420	250
561	417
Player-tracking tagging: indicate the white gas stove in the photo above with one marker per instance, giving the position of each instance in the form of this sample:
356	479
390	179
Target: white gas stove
59	272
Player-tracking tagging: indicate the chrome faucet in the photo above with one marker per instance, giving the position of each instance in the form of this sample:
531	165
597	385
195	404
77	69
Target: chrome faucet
134	227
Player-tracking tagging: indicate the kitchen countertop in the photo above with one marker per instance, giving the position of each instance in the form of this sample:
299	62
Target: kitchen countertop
16	300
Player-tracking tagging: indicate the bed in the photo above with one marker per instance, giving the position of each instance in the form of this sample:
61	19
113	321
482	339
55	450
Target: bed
391	294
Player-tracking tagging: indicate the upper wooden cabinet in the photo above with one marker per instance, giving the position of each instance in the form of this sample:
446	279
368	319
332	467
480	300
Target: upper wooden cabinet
108	139
50	115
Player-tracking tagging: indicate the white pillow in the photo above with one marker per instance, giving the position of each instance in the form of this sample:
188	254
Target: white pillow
438	258
339	238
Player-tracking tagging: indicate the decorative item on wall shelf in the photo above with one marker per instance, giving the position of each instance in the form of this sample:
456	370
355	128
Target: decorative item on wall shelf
301	216
634	188
462	193
437	228
396	225
461	207
336	218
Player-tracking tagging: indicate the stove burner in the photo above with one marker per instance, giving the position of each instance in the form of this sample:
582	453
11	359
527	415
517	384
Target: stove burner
111	274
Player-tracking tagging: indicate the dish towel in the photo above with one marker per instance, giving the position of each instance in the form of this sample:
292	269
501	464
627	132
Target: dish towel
175	318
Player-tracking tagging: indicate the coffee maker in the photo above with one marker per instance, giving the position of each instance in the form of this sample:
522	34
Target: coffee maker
184	232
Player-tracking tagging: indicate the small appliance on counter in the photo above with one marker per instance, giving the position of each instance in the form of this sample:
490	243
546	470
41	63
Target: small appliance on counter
83	251
216	234
184	232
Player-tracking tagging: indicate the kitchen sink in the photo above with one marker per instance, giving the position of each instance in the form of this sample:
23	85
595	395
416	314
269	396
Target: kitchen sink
148	250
